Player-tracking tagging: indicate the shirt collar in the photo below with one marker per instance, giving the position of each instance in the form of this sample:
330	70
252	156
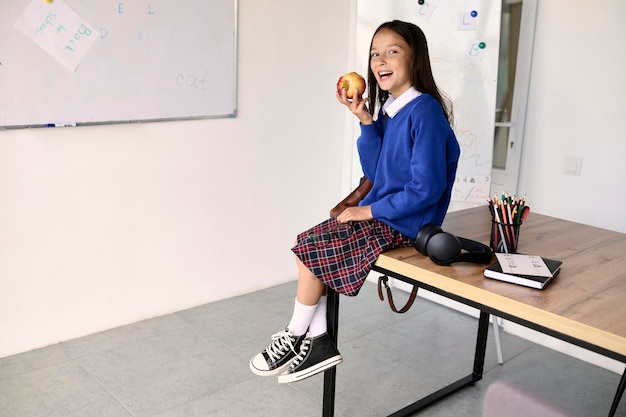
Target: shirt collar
393	105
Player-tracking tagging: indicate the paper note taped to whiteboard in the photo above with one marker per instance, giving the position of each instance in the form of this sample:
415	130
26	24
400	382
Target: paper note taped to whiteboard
58	30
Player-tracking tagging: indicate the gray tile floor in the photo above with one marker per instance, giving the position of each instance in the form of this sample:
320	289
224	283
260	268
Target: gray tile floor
195	364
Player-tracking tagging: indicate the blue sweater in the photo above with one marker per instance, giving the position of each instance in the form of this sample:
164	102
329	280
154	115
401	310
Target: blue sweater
413	169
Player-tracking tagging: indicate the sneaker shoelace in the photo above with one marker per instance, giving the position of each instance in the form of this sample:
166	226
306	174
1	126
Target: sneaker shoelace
300	356
282	342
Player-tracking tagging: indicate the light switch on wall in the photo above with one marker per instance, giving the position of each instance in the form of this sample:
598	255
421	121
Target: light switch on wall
572	165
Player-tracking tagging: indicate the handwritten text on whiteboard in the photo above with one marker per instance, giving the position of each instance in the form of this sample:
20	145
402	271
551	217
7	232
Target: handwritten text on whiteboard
59	30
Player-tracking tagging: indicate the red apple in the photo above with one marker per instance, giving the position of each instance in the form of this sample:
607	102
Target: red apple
351	82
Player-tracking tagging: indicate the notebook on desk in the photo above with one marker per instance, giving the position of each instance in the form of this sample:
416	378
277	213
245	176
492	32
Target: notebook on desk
527	270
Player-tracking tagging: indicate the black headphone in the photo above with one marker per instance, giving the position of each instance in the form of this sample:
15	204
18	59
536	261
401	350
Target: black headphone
444	248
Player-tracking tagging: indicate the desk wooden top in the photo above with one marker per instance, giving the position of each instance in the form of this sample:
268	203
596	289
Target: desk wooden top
586	301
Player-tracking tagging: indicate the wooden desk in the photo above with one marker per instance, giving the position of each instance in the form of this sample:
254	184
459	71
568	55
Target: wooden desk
584	304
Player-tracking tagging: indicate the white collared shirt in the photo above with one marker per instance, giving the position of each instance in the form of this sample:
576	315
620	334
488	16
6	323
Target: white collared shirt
393	105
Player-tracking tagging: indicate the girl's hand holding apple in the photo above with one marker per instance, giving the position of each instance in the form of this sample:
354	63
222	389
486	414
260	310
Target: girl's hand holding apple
350	89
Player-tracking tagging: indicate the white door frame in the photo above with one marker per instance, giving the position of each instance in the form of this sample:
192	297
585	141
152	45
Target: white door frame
507	179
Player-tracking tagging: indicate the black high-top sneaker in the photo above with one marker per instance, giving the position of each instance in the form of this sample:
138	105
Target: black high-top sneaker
278	355
317	354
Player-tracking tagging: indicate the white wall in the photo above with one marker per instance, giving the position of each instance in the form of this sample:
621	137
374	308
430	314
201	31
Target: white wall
576	108
106	225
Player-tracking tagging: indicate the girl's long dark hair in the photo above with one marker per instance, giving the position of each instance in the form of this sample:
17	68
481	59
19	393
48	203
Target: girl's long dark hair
421	73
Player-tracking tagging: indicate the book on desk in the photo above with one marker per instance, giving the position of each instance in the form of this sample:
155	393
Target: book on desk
527	270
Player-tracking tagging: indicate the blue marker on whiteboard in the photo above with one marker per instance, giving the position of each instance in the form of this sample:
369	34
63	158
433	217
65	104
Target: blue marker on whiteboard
60	124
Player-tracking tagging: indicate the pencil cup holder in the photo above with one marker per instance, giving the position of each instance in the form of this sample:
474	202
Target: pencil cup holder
504	237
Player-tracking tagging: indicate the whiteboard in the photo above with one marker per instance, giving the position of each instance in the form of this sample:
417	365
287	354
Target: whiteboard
463	40
148	60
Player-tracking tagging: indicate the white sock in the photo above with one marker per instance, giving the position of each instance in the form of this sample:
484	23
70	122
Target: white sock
318	324
301	318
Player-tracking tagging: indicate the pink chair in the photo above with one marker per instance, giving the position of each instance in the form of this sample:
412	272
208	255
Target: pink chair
504	399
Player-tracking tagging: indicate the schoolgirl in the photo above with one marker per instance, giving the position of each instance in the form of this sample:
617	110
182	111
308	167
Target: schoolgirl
410	153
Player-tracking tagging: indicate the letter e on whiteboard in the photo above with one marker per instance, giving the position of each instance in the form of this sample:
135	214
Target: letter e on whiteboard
466	21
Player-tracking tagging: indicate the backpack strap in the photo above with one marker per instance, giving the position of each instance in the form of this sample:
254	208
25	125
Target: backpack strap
383	281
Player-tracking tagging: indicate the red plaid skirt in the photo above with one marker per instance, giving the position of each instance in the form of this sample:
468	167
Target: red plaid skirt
341	255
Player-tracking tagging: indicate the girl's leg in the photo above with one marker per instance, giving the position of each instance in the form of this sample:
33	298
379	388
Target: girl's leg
308	295
310	288
310	307
286	344
317	352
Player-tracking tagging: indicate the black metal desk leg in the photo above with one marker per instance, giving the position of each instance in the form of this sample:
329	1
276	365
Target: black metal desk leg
619	394
476	375
481	345
332	319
